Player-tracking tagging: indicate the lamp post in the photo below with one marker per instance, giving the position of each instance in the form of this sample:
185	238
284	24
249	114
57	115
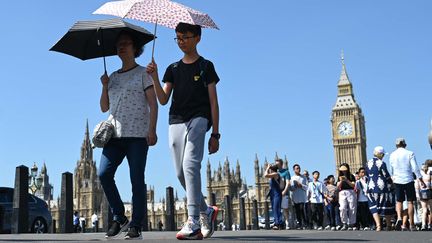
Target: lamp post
35	182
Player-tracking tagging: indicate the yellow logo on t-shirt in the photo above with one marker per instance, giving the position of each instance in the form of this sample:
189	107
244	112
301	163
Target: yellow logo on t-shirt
196	78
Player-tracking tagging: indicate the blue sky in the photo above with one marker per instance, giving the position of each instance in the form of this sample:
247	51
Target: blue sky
279	63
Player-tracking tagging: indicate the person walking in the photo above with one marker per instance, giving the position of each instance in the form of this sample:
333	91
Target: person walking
194	110
299	188
363	213
402	166
128	95
315	194
95	222
347	197
76	222
380	197
275	193
426	204
331	202
286	181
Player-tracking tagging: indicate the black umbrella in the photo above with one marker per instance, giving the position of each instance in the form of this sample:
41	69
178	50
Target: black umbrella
97	38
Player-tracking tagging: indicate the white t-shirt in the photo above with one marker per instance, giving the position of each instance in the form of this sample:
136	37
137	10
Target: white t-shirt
361	187
129	109
299	193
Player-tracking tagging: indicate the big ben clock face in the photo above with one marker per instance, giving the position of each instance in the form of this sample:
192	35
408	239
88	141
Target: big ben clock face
345	128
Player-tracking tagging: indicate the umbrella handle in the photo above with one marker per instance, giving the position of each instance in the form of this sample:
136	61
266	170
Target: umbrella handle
154	39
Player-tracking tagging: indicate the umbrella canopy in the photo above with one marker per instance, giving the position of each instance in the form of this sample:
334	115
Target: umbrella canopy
92	39
164	12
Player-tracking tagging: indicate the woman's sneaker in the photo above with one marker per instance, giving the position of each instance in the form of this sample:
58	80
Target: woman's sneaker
191	230
134	233
207	221
116	228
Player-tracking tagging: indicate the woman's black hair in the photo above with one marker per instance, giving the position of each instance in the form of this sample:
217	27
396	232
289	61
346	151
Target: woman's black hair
183	28
139	49
346	173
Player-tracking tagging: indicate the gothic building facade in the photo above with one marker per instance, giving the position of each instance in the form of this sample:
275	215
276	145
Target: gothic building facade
87	190
348	126
226	181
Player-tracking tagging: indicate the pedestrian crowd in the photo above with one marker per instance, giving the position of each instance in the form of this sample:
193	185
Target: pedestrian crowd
379	196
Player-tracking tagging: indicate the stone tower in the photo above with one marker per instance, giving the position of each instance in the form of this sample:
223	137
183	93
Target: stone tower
224	182
88	193
348	125
262	186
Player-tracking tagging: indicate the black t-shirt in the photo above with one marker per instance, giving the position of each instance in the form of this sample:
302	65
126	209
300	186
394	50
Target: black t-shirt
345	185
190	93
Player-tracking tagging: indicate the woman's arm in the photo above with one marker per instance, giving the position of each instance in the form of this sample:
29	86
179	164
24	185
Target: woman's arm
151	99
104	99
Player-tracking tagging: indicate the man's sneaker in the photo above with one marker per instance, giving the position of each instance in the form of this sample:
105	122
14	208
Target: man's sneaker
320	228
366	228
344	227
191	230
207	221
134	233
398	225
328	227
338	227
116	227
333	228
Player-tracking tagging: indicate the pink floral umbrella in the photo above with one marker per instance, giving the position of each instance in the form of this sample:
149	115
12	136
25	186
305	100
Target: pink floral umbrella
163	12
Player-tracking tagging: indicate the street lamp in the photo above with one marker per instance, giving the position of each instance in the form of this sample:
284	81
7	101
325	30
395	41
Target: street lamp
35	182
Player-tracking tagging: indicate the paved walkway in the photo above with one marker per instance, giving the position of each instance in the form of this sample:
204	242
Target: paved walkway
239	236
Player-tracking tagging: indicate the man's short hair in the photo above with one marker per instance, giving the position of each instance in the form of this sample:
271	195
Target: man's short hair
361	168
184	27
400	142
295	165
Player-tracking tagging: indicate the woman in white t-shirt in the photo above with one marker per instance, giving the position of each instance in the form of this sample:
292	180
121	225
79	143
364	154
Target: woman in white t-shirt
426	205
129	97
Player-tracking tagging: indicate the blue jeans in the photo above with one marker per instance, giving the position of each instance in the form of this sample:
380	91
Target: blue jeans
330	210
135	150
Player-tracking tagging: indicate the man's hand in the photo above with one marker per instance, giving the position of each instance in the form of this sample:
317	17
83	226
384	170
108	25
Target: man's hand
151	138
152	69
213	145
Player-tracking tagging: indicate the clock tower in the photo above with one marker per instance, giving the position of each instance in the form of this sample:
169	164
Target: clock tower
348	125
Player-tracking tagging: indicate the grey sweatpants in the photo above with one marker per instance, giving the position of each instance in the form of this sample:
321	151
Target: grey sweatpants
186	142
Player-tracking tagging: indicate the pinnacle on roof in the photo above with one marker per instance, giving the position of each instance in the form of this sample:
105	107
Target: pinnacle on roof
343	79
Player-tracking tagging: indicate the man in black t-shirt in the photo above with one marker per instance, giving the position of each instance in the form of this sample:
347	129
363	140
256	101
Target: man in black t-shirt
194	109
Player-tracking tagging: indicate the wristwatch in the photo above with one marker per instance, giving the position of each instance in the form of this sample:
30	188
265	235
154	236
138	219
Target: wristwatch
215	135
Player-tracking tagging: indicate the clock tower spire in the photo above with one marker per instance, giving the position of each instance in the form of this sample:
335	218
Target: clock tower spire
348	125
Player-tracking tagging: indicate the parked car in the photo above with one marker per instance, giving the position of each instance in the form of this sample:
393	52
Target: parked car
39	218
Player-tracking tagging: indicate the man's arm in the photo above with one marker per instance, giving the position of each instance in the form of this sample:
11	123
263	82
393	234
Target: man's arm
416	170
163	94
214	107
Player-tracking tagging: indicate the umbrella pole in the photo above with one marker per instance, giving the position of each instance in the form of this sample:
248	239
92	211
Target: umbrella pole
104	65
101	43
154	39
